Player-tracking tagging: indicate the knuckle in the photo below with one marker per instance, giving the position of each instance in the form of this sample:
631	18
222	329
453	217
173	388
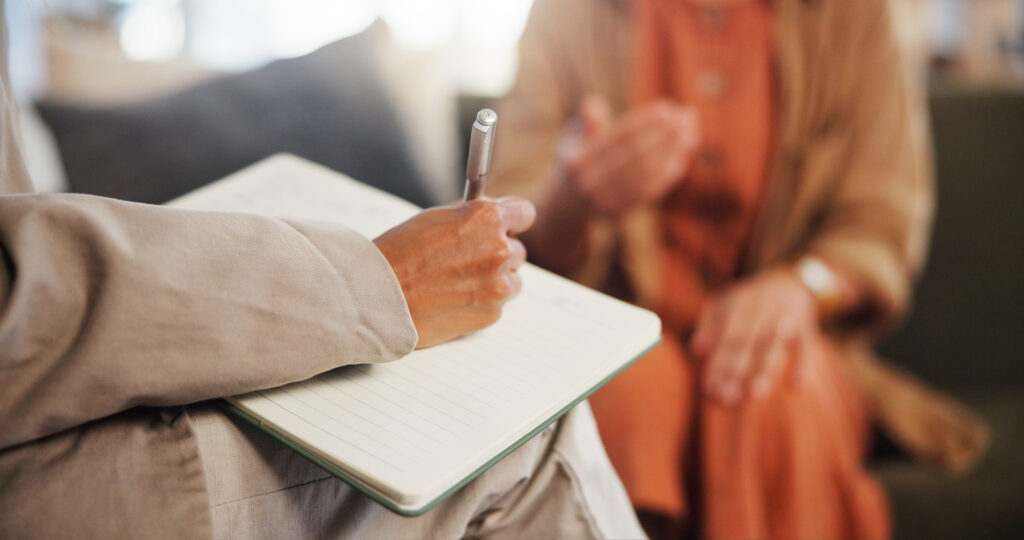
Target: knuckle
501	288
484	212
490	213
481	218
499	252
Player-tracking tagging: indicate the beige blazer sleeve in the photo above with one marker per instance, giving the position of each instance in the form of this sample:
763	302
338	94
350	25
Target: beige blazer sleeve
109	305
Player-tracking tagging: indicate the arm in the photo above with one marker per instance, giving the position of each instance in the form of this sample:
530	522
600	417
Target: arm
582	174
533	118
875	224
108	305
608	169
872	230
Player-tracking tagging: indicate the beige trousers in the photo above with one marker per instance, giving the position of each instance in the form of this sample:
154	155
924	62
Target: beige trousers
560	484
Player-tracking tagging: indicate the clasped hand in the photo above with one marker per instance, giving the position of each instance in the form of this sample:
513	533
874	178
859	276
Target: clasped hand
618	165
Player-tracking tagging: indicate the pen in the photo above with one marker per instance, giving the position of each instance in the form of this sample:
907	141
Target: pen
481	140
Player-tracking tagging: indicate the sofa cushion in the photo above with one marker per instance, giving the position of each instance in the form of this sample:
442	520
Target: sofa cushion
329	106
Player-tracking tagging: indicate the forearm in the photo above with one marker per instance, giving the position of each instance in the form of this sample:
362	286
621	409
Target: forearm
559	240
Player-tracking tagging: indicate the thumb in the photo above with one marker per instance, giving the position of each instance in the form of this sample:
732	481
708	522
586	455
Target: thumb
595	115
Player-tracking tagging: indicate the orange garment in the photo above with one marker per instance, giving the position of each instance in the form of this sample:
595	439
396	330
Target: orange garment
788	466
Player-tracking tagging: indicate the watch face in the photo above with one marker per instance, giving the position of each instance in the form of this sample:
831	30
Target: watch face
816	276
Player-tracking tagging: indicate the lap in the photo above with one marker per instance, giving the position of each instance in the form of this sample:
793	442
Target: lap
559	484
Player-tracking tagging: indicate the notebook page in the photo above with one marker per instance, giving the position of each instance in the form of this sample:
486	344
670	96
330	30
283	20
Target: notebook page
287	186
413	428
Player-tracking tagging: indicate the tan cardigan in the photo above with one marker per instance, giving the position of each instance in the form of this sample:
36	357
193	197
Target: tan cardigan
109	310
851	179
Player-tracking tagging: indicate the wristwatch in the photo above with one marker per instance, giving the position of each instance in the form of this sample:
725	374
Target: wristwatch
820	280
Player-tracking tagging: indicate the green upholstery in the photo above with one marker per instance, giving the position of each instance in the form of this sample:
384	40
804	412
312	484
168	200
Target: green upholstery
966	333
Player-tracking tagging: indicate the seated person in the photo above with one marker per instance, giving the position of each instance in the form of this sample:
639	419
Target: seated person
755	172
115	315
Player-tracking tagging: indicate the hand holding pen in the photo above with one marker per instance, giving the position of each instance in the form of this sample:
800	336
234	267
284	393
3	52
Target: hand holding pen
457	264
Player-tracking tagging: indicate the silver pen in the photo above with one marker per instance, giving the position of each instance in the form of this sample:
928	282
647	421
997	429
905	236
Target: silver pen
481	141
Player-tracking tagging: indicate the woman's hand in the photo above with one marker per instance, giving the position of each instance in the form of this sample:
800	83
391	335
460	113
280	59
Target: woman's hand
633	161
607	168
457	264
747	333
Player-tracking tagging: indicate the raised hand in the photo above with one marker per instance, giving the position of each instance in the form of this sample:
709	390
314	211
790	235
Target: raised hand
618	165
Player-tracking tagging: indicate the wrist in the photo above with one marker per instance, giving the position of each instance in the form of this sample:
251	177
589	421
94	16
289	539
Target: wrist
559	238
819	280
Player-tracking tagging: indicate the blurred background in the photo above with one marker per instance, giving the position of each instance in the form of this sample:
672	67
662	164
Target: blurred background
148	99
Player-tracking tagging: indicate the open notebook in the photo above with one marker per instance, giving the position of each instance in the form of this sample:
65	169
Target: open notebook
411	432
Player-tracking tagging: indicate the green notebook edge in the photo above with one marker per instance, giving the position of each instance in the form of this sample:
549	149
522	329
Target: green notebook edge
373	494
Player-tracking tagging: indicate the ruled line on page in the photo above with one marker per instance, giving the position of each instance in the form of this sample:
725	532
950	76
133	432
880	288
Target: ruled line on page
343	430
417	384
304	421
319	389
378	401
400	393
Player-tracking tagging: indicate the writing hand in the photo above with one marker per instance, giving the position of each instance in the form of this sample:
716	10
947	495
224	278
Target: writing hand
457	264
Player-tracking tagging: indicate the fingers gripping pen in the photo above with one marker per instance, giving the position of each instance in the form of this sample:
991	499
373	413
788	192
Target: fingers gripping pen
481	141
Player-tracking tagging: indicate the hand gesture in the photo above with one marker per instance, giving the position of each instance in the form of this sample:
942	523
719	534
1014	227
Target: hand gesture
635	160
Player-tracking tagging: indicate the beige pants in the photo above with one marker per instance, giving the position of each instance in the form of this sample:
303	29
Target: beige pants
558	485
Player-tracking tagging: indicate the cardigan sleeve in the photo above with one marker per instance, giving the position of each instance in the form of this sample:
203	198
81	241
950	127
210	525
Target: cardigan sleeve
877	220
536	109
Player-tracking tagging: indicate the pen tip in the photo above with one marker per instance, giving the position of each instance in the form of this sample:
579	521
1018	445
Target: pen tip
487	117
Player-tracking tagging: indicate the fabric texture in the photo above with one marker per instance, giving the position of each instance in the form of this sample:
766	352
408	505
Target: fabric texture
558	485
850	176
114	308
789	466
329	106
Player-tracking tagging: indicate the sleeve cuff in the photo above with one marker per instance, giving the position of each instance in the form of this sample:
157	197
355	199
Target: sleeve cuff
875	266
379	311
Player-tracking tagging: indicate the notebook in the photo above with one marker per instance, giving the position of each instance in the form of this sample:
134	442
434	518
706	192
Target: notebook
411	432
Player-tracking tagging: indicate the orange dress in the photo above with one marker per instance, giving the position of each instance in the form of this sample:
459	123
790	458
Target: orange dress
788	466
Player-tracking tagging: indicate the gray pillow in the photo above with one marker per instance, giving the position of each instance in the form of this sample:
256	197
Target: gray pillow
329	106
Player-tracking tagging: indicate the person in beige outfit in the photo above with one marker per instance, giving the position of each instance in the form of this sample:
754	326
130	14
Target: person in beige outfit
114	317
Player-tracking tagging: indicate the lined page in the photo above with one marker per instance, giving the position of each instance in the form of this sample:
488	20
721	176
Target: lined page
413	428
